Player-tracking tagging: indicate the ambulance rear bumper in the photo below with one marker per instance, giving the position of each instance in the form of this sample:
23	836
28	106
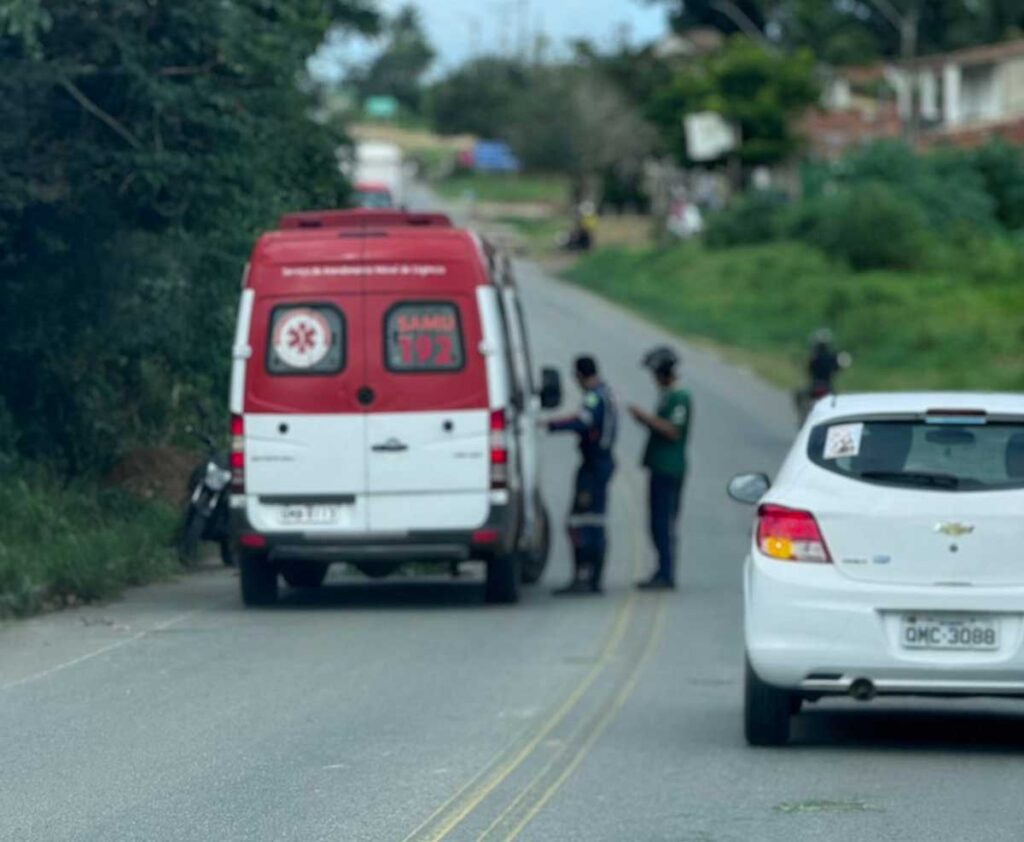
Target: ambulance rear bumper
496	536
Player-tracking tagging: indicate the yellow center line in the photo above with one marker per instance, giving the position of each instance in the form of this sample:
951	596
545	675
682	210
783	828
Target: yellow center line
637	548
602	725
502	771
624	614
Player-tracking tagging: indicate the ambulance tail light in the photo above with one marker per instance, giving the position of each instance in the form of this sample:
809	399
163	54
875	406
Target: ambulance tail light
237	456
499	449
790	535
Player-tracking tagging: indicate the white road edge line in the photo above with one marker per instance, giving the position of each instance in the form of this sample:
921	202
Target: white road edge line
110	647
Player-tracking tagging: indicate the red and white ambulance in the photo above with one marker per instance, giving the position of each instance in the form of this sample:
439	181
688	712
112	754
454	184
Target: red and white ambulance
383	405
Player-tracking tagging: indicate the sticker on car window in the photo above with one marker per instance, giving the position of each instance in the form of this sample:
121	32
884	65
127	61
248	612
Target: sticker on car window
843	440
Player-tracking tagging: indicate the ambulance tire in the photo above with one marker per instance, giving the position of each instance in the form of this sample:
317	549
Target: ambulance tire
503	576
308	575
535	560
258	579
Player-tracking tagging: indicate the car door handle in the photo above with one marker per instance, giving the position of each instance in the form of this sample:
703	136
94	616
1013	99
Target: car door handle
390	446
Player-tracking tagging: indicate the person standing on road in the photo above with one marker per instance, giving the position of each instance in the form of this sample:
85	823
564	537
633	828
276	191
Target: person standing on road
596	426
665	459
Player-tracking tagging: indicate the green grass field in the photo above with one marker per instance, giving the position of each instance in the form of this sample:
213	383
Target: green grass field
761	303
484	187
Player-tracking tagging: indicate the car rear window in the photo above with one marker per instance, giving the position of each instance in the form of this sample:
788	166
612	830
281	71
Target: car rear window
946	456
423	336
306	339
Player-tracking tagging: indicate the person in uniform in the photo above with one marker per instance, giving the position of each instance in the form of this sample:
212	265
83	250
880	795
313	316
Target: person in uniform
596	426
665	460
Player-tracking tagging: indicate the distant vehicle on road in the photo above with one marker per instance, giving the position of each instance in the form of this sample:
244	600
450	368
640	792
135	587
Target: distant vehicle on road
887	556
384	405
377	164
373	195
494	156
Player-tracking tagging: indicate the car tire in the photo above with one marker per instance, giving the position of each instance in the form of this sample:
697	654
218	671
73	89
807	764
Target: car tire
535	560
306	575
766	711
258	579
503	576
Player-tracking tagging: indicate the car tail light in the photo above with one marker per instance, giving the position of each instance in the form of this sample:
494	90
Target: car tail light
790	535
499	449
237	456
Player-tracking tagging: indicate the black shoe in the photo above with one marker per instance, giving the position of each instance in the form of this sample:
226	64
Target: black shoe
577	587
656	583
595	588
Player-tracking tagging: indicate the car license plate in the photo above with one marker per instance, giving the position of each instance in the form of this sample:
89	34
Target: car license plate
920	631
306	514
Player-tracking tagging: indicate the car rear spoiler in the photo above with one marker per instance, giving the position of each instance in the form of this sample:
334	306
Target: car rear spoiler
362	218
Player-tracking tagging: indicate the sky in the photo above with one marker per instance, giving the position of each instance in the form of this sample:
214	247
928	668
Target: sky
459	29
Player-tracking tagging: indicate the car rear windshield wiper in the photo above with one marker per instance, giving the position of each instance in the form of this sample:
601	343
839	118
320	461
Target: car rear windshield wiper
914	478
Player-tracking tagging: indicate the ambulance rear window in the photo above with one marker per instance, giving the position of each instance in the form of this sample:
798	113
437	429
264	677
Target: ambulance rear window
423	336
306	339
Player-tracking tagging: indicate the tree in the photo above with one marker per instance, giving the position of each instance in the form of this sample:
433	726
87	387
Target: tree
759	90
398	69
479	97
144	142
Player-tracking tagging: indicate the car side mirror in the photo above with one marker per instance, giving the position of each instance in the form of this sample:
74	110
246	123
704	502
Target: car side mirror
550	388
748	488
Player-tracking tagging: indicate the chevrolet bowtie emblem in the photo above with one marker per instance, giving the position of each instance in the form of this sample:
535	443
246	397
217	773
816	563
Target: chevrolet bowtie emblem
953	529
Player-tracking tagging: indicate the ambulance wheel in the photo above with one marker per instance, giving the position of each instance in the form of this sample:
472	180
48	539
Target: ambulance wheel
258	579
305	575
535	559
503	575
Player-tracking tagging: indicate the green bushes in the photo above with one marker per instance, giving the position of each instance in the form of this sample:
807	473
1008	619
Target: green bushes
886	207
61	545
869	226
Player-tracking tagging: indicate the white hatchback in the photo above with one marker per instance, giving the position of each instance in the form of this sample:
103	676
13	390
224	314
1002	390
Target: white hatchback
888	556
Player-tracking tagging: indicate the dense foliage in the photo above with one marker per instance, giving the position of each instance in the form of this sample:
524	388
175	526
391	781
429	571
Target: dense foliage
144	143
883	206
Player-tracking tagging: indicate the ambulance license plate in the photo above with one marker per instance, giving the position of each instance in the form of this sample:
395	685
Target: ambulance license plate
308	514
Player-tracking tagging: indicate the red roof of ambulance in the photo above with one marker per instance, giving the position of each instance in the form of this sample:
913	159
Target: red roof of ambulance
310	246
362	218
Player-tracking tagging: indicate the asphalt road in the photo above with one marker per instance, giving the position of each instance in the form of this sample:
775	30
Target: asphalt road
407	709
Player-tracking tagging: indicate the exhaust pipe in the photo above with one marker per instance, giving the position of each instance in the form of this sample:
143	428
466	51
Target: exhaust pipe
863	689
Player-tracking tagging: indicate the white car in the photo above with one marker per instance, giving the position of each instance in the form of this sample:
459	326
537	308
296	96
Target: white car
888	556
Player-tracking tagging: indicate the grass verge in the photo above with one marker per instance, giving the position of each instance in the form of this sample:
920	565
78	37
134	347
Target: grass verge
906	330
495	187
60	546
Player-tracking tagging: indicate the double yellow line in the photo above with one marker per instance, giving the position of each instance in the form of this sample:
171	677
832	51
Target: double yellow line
456	809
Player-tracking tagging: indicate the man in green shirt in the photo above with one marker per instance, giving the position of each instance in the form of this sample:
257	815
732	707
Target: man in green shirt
665	460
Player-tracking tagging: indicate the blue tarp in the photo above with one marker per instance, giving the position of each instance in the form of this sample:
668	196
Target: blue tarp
494	156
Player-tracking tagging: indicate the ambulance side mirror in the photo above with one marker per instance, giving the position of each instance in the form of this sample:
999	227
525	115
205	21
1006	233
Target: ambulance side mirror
550	388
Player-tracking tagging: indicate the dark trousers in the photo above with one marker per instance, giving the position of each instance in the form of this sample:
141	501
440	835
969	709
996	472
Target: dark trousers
666	497
587	518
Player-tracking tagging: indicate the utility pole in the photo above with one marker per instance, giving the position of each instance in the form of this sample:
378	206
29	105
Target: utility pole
906	23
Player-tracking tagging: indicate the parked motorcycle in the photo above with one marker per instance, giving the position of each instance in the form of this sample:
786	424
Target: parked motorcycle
206	515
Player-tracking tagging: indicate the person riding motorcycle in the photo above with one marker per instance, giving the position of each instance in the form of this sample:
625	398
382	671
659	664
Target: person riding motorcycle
823	364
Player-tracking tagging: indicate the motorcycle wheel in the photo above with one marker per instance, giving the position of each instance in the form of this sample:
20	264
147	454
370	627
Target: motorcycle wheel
191	536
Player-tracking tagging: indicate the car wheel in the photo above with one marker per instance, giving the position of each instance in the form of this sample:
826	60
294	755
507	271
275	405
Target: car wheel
258	578
535	560
307	575
766	711
503	575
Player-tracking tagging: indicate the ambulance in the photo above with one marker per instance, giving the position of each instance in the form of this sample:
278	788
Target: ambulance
384	406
